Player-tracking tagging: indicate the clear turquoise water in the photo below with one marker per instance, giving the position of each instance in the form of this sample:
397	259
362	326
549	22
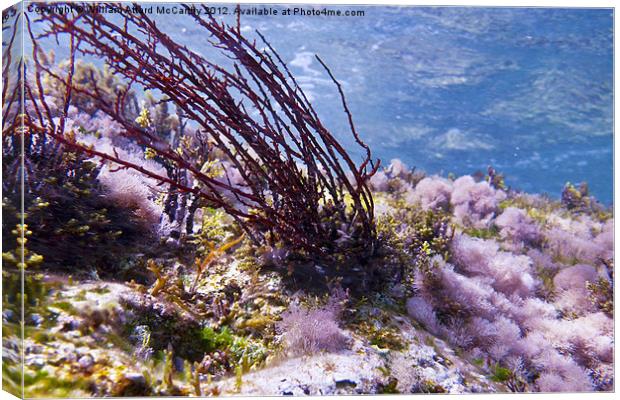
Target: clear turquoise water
528	91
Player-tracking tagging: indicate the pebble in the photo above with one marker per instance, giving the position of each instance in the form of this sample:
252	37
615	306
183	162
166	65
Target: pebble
7	315
36	319
136	378
342	383
86	362
38	362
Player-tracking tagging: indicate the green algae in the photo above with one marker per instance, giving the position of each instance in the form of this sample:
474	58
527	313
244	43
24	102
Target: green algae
373	319
500	374
482	233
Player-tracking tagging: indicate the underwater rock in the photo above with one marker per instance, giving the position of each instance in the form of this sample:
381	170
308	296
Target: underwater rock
86	362
36	319
7	315
367	369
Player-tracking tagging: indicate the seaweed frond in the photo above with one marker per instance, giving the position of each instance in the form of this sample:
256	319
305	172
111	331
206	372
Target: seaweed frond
213	254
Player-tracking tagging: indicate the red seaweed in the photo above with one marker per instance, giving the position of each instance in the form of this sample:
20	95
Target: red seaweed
296	175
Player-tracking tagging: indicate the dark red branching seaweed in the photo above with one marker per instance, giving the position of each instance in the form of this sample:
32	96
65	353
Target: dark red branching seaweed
296	177
12	81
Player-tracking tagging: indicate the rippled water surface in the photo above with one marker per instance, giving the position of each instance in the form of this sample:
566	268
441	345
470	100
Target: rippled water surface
528	91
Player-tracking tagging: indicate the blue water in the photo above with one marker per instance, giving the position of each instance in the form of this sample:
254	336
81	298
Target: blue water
454	90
